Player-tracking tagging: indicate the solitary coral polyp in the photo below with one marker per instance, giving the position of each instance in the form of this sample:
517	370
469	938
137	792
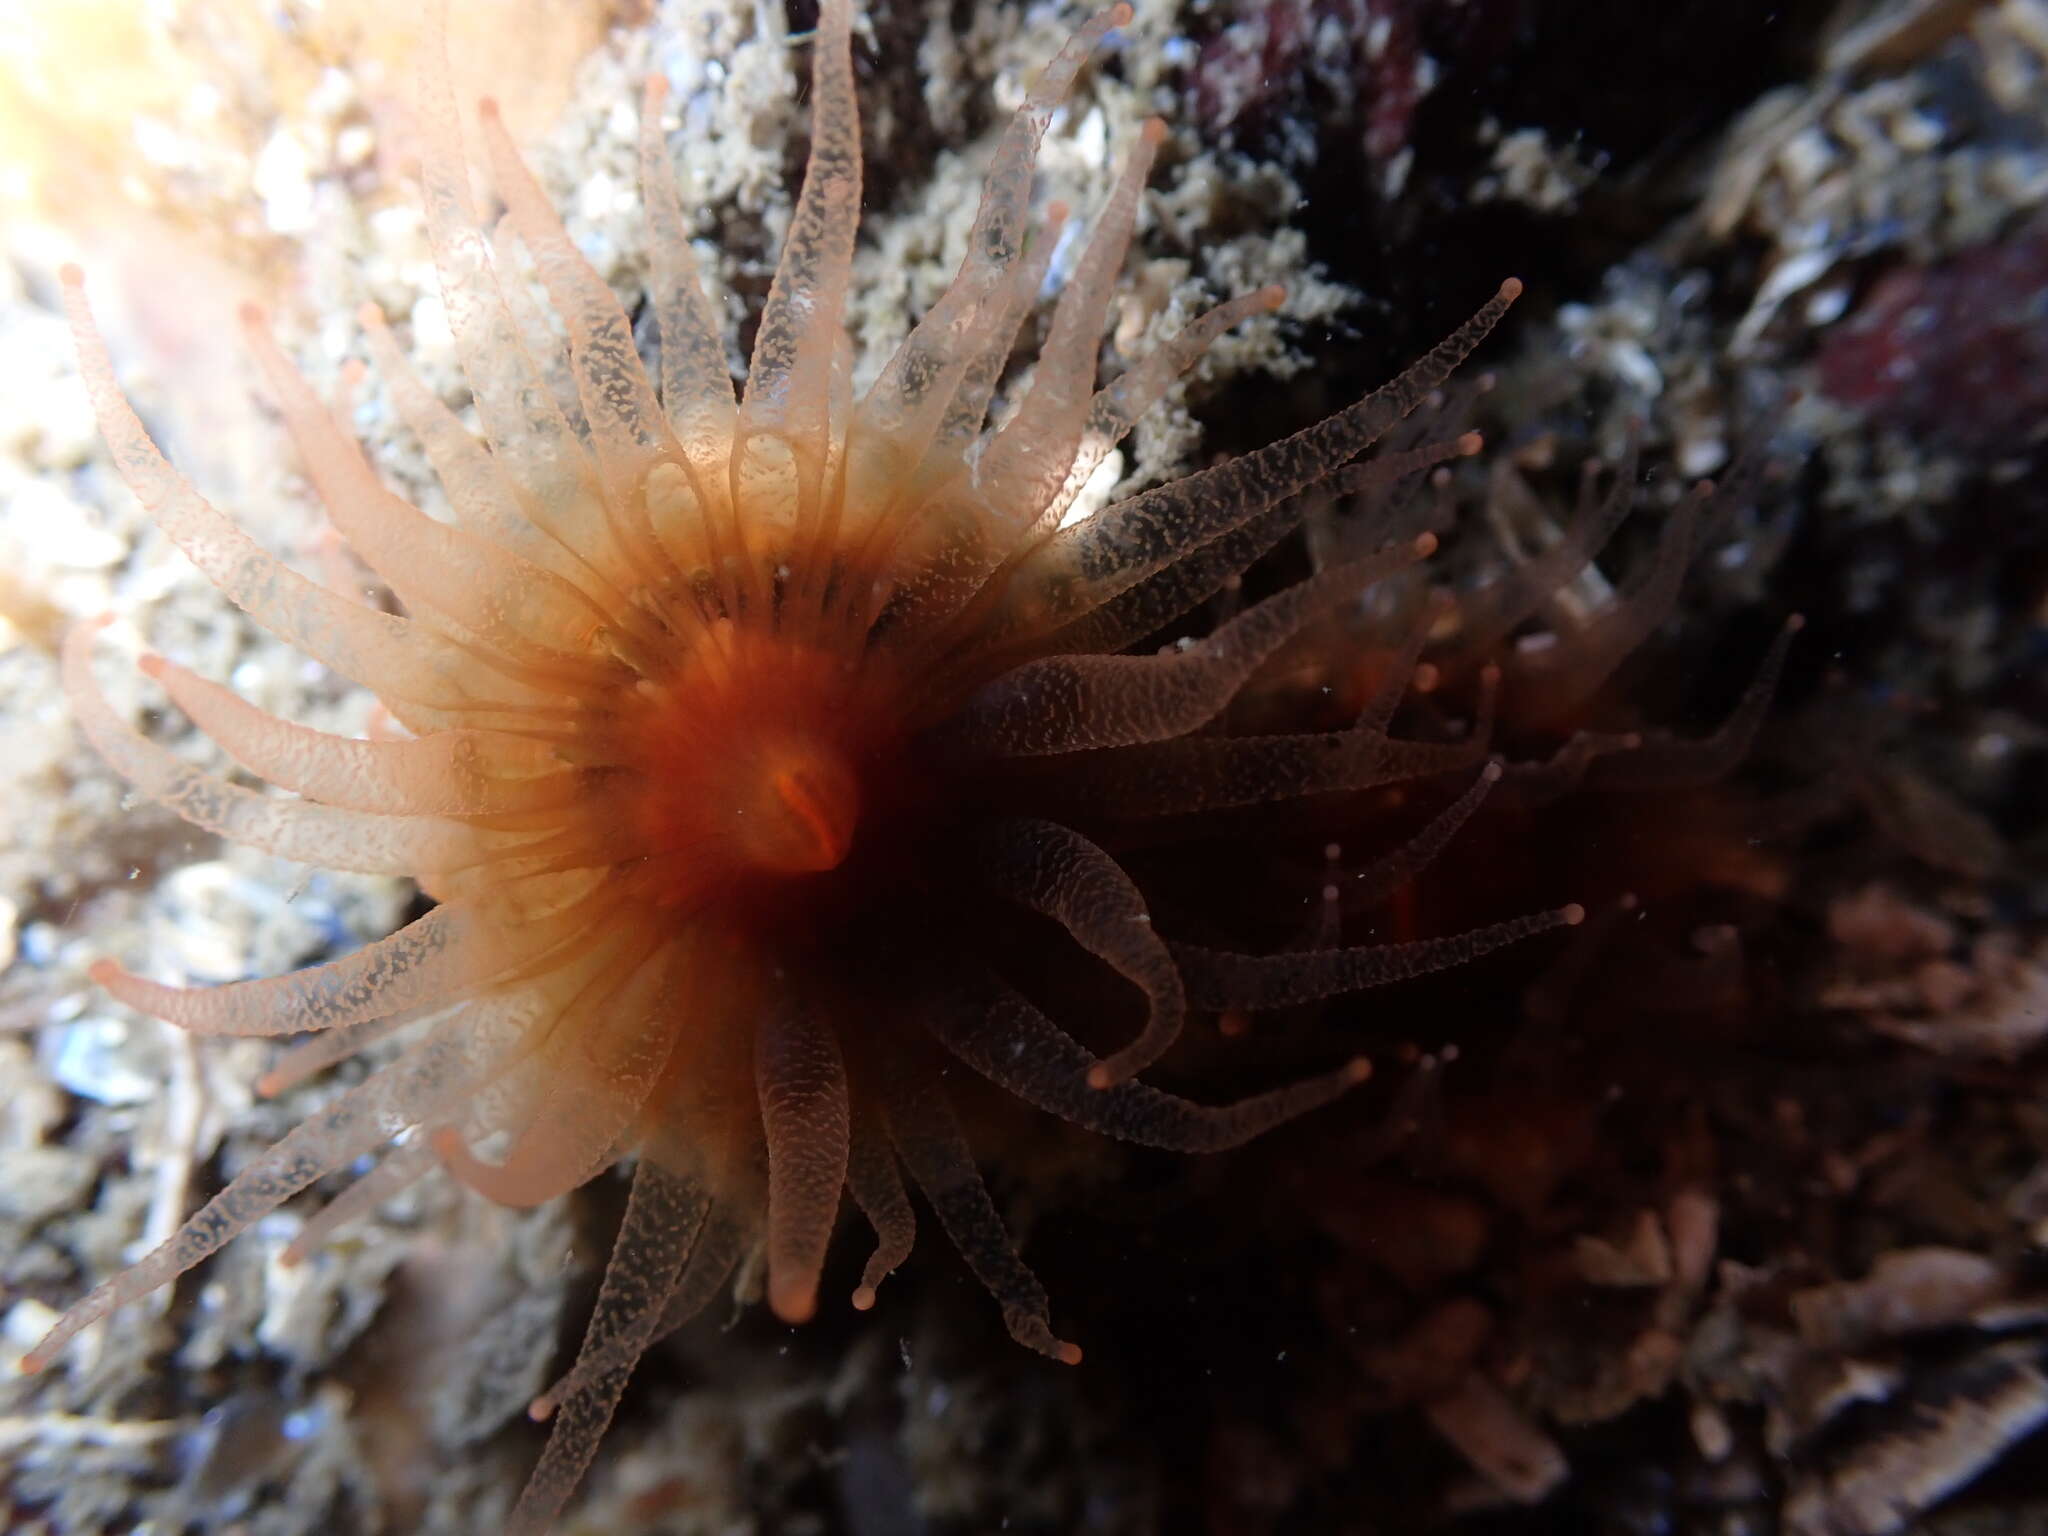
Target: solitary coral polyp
707	704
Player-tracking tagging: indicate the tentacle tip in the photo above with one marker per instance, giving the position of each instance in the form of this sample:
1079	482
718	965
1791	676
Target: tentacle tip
1571	914
1470	443
292	1257
370	316
1121	15
487	108
541	1409
1100	1077
1070	1354
36	1360
104	973
151	665
655	92
1493	770
270	1085
1231	1024
1272	296
1153	133
1510	290
70	275
251	315
794	1304
1628	901
1357	1070
864	1298
1425	545
1794	622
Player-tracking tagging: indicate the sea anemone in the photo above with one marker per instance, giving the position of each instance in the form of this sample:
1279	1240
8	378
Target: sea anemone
740	739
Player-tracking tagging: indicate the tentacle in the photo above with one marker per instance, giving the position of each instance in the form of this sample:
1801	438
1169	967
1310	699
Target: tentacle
1076	703
801	1082
417	674
784	425
1381	708
877	1187
696	381
664	1214
1118	406
1091	562
1493	613
903	409
484	500
528	433
419	1084
1009	1041
1160	599
608	1047
1054	870
721	1240
432	959
447	773
1672	764
1553	681
291	829
1372	884
521	611
627	428
1210	773
928	1138
1219	979
309	1057
929	579
1026	464
398	1169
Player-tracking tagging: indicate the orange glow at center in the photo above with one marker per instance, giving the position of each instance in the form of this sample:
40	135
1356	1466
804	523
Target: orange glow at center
746	764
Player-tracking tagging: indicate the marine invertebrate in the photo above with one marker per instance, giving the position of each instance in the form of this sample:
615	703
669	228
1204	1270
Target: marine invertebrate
736	732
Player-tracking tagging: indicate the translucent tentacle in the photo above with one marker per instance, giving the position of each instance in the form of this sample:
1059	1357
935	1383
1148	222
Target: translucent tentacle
1671	764
1054	870
664	1213
291	829
434	1074
696	383
1219	979
801	1082
1009	1041
1212	773
448	773
1117	406
1384	875
626	425
483	499
1076	703
415	672
721	1240
529	434
610	1044
432	959
928	1138
877	1187
398	1169
1024	468
1095	559
308	1058
789	378
1160	599
904	407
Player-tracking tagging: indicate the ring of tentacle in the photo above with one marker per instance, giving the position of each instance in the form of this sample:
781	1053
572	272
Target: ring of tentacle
709	705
